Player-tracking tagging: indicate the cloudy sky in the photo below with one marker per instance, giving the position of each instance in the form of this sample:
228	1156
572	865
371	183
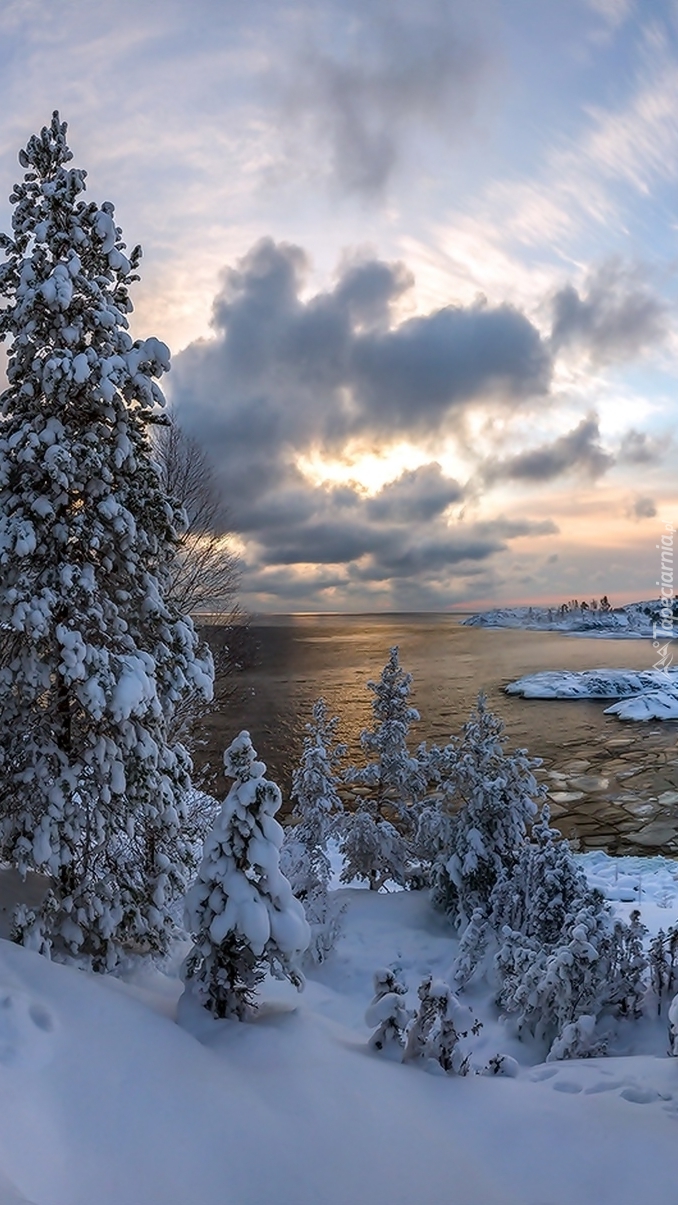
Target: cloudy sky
416	263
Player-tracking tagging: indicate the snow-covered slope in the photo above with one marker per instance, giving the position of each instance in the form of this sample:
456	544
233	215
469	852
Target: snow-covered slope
105	1099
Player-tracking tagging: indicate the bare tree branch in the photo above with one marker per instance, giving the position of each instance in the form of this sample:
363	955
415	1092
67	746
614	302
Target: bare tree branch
206	575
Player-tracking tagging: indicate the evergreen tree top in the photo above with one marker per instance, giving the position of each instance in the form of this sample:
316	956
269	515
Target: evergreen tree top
66	279
392	691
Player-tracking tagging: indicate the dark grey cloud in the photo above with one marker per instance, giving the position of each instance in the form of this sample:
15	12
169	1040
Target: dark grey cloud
642	508
284	374
637	447
358	91
287	374
449	357
579	450
417	495
616	317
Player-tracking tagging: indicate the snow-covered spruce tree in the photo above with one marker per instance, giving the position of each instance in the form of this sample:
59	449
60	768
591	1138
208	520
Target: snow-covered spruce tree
495	793
377	836
473	946
241	910
430	994
93	661
662	955
673	1028
303	858
388	1012
595	968
544	887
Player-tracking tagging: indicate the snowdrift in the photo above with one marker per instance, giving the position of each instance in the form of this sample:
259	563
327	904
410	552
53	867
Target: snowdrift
106	1098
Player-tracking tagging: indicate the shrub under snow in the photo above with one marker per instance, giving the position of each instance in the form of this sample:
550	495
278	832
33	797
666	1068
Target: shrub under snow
388	1012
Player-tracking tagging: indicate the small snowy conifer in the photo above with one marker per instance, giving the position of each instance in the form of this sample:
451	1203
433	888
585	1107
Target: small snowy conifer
662	955
473	945
496	791
241	909
544	887
303	857
437	1027
93	660
375	845
388	1012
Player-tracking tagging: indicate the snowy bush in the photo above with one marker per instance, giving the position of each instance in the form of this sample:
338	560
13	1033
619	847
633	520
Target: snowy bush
388	1012
372	850
495	795
93	660
437	1028
241	909
503	1065
303	857
595	968
377	837
673	1027
662	955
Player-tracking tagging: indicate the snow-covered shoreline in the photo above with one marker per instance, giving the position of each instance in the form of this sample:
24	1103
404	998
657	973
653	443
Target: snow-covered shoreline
642	694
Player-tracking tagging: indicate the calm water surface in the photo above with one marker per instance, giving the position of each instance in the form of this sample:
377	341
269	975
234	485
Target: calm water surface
300	657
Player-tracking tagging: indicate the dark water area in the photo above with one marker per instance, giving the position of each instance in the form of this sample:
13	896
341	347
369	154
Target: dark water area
300	657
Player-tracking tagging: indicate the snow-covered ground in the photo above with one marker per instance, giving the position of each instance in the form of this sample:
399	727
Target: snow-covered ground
635	620
107	1099
644	695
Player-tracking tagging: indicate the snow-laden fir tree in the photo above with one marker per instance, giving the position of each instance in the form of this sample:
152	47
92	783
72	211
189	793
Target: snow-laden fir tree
673	1028
388	1012
241	910
495	794
563	960
544	887
304	858
662	956
473	945
93	661
377	836
594	969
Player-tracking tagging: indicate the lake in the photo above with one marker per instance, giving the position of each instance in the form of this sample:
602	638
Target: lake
611	782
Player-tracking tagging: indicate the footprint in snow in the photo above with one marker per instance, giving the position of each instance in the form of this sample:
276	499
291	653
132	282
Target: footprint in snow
604	1086
26	1029
543	1073
567	1085
641	1096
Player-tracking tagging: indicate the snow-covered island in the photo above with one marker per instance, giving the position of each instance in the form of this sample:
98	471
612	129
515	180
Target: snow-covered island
638	620
642	694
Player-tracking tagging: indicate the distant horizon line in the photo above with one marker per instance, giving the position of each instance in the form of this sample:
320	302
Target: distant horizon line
465	610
